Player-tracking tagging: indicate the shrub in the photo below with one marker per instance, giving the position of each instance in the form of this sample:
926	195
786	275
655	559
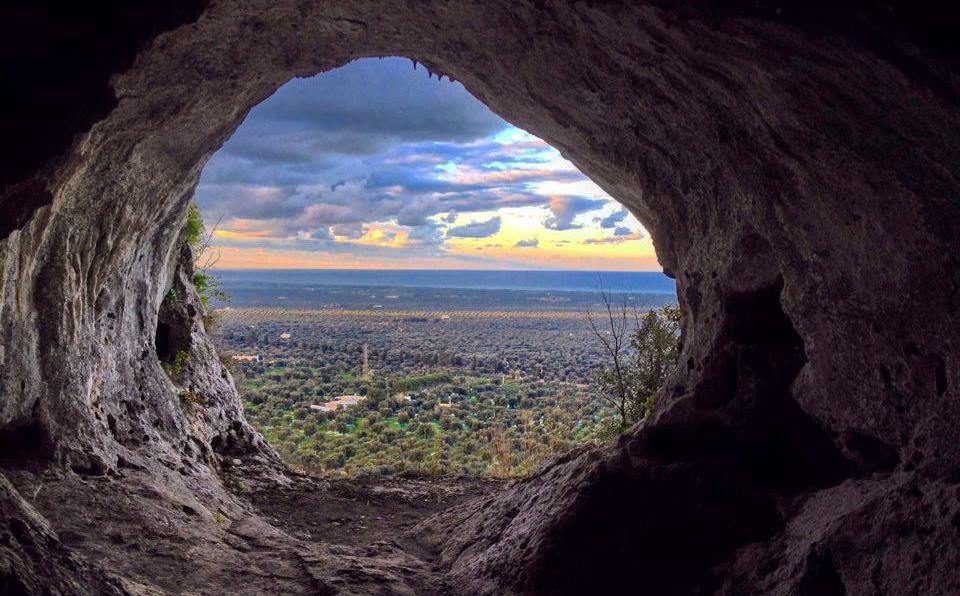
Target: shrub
195	227
235	485
639	360
208	286
175	369
189	400
199	238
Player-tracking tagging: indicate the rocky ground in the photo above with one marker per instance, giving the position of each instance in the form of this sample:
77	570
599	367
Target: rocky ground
280	536
361	511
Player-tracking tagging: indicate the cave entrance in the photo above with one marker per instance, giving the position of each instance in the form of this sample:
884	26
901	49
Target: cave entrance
790	162
399	258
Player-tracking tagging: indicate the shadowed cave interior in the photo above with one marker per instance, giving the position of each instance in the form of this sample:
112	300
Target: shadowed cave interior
795	163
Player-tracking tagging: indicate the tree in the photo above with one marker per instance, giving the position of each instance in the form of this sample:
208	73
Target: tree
205	258
656	345
615	382
500	451
639	360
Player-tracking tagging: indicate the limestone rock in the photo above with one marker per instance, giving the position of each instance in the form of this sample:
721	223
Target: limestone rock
32	560
796	163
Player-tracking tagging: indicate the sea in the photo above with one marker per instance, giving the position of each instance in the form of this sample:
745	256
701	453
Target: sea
439	289
638	282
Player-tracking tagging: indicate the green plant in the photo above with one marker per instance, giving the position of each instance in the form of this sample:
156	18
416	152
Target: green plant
436	457
200	239
500	452
195	227
189	400
219	517
656	347
235	485
639	361
208	286
172	297
175	369
420	417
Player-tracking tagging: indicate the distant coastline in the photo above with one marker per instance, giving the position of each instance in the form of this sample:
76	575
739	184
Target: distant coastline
440	289
632	282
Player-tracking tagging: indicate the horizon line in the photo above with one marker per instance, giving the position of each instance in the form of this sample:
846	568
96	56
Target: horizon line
435	269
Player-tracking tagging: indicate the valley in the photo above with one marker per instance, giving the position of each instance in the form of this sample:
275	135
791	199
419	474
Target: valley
439	392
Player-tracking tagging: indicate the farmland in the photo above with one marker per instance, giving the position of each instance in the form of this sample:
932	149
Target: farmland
446	392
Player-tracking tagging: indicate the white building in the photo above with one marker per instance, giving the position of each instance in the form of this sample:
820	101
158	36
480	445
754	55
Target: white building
340	402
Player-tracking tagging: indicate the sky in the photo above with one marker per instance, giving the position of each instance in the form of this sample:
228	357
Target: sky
377	165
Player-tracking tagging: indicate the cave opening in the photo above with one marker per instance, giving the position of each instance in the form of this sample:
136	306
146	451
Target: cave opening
806	437
412	250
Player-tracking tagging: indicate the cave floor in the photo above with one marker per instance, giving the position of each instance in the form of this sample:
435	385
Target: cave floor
362	510
170	534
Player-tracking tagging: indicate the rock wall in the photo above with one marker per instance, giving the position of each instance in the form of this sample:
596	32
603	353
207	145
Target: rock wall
796	163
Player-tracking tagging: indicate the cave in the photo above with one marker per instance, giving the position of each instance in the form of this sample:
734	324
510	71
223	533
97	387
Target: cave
797	165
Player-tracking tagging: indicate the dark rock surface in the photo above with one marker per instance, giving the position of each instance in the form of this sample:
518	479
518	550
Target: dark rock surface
796	163
32	560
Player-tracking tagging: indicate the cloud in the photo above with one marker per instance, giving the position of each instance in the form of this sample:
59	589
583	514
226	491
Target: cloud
247	202
416	211
429	234
565	209
613	219
352	231
480	229
618	237
621	231
360	109
322	233
368	191
375	158
382	97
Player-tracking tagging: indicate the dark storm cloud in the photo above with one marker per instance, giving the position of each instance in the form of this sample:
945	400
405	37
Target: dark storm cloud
248	202
478	229
413	182
382	98
366	121
361	109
